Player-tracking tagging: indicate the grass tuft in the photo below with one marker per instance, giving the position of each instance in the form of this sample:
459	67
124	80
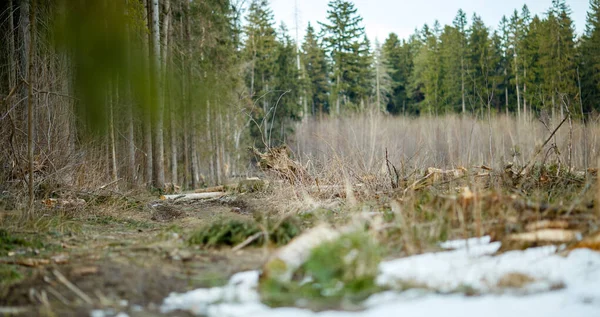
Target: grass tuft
338	274
231	232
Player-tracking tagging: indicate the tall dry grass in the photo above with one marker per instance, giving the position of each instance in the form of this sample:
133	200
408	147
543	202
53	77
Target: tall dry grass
357	144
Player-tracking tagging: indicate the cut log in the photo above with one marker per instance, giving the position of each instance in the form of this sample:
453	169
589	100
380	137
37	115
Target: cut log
290	257
193	196
547	235
220	188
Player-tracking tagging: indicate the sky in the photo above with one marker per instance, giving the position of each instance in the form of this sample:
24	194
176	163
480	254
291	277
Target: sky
402	16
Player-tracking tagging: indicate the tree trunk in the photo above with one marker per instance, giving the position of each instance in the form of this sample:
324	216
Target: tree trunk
148	168
29	46
12	69
462	74
525	114
517	87
113	98
165	61
337	97
130	136
25	38
157	126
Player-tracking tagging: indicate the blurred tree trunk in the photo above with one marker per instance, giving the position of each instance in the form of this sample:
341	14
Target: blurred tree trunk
184	97
158	146
148	168
166	42
192	115
130	135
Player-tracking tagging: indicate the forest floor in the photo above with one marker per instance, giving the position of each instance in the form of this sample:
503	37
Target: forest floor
130	255
115	258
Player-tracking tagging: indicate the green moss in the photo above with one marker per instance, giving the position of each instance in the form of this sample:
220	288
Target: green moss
338	274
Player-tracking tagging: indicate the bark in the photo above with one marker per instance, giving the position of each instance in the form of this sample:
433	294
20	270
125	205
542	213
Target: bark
130	136
462	74
12	76
25	38
172	113
517	87
147	125
113	99
193	141
158	129
30	46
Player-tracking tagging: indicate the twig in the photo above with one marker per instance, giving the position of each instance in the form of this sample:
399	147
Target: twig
61	278
388	163
532	160
58	295
246	242
417	182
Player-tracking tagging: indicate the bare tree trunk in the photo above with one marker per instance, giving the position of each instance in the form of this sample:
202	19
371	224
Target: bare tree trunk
12	76
130	137
30	46
192	143
148	168
525	113
165	61
158	122
337	98
462	74
378	84
113	98
517	87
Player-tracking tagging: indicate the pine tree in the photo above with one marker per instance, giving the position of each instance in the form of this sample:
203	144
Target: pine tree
589	60
504	33
399	56
260	47
343	37
287	87
383	80
314	61
427	74
485	64
516	40
557	57
531	69
460	23
260	51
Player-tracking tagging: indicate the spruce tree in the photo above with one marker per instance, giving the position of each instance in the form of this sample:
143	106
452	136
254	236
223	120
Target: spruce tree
286	88
343	36
260	53
314	61
589	60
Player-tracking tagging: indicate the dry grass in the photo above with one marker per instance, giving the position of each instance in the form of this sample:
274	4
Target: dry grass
350	173
356	145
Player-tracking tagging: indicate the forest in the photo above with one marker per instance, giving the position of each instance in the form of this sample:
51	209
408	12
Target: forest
168	145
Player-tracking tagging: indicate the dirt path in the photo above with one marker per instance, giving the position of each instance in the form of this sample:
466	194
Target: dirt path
121	260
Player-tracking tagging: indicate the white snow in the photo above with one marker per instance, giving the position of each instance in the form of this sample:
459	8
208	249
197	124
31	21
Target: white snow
468	264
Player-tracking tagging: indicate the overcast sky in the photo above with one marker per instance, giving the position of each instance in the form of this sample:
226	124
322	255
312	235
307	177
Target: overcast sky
402	16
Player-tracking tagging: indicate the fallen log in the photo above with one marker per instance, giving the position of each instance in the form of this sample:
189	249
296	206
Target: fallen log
193	196
220	188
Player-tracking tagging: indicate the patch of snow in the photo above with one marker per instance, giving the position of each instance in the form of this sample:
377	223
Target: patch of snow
472	266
